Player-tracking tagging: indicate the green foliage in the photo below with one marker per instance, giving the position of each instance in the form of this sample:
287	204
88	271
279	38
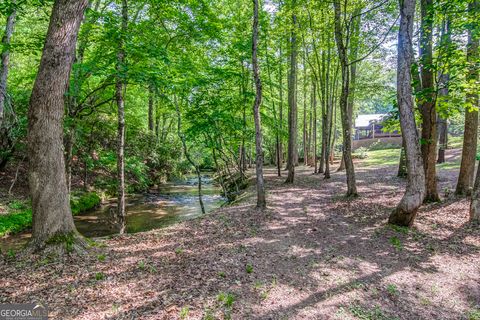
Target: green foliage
474	314
396	242
249	268
184	312
15	222
392	290
99	276
227	299
84	202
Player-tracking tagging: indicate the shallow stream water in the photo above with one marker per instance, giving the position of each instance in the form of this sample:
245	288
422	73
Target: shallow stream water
171	203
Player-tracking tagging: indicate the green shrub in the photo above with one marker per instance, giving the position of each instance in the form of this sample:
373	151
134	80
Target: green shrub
19	217
84	202
15	222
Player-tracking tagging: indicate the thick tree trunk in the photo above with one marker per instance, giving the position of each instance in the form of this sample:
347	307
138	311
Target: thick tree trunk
344	104
120	88
470	135
52	216
427	102
292	104
5	60
406	210
261	202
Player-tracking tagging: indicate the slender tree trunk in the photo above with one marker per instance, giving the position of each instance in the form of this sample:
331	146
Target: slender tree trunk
305	149
406	210
52	217
6	142
345	114
314	89
280	89
470	136
120	88
187	154
442	123
402	165
151	108
475	203
5	60
261	202
292	104
427	102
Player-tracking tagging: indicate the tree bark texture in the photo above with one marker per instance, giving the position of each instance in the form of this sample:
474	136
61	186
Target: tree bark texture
405	213
52	216
470	135
427	102
261	202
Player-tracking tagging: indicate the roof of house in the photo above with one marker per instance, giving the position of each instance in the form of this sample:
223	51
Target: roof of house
364	120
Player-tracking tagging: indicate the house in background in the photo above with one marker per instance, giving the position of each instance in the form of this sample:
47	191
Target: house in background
369	126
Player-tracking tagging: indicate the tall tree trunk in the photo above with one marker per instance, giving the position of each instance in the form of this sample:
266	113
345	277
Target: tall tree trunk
187	154
428	102
442	123
406	210
475	203
314	138
305	148
402	163
345	114
6	142
261	202
120	88
151	108
292	103
470	135
5	59
280	89
52	217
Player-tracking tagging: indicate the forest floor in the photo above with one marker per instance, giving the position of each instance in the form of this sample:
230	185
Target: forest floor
312	255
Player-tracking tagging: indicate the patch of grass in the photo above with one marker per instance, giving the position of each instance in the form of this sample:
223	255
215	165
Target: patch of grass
84	202
184	312
99	276
363	313
404	230
387	157
392	290
17	205
396	242
101	257
15	222
227	299
179	250
141	265
474	314
249	268
222	274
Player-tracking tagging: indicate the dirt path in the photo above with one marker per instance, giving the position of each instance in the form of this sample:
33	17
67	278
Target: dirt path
313	255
